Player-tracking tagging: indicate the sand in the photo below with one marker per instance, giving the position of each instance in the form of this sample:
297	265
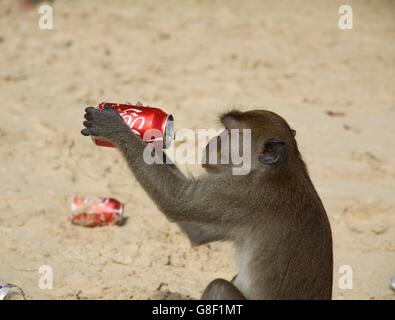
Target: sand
194	59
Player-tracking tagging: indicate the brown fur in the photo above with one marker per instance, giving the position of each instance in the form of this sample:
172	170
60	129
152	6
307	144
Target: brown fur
273	215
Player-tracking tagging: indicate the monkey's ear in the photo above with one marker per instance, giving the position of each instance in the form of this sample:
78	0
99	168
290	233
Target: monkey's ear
293	132
273	152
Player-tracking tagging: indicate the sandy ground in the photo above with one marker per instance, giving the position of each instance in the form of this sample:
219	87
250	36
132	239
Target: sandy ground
194	59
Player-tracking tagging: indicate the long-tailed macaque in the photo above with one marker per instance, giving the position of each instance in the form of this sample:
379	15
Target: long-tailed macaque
273	214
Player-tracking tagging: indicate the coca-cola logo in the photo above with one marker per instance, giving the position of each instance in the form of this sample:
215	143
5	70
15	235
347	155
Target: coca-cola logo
133	120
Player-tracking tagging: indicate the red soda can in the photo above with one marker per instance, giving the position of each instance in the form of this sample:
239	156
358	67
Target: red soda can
96	211
140	119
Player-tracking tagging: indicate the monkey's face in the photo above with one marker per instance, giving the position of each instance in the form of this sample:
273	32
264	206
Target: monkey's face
261	138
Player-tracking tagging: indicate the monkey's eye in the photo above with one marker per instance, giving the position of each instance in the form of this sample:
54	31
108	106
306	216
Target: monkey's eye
293	132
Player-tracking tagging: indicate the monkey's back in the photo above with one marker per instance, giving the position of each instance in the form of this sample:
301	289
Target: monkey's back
290	250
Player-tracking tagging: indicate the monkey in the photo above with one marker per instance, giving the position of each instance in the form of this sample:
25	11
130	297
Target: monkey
273	215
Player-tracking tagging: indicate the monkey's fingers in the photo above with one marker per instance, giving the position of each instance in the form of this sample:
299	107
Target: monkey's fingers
89	132
87	124
91	110
88	116
85	132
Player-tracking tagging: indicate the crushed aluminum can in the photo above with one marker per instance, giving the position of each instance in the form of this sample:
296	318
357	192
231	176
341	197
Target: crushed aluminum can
11	292
96	211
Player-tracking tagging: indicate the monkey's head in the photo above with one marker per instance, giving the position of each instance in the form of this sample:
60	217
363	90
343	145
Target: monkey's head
271	144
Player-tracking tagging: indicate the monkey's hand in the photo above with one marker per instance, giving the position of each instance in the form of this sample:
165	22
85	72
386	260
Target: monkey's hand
105	124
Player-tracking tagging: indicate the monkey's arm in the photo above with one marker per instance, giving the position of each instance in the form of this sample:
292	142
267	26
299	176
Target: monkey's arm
197	234
201	201
180	199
